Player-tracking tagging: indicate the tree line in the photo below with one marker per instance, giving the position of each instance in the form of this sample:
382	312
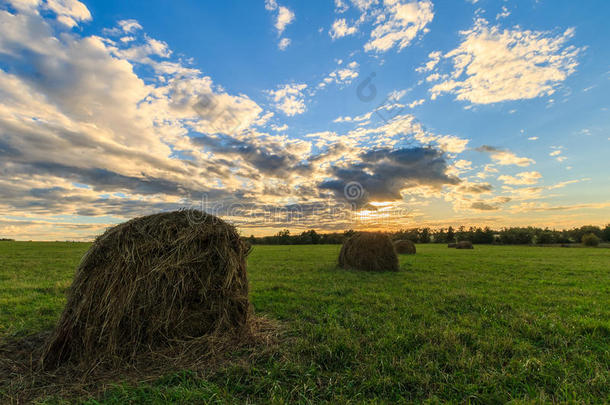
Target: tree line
477	235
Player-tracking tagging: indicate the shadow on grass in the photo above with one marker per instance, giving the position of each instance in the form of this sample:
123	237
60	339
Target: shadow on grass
22	380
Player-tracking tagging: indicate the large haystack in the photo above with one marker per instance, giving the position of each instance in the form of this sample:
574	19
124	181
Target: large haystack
150	282
368	251
404	247
464	244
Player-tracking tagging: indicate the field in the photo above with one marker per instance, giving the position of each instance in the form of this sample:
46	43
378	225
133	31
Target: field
490	325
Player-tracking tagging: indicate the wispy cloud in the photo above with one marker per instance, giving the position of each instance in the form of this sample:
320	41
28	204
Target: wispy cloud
505	157
289	98
400	25
521	179
493	65
342	75
283	17
340	29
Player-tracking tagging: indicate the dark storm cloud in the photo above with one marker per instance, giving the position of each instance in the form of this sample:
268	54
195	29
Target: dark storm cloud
266	162
481	206
7	150
106	180
382	173
492	205
477	188
488	149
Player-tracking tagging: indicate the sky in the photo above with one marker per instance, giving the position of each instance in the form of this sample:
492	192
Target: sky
326	115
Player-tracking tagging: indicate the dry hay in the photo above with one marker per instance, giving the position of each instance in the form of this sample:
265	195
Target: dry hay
405	247
464	244
368	251
151	284
23	381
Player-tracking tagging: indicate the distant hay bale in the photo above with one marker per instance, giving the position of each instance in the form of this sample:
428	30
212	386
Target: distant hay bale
368	251
405	247
150	282
452	245
464	244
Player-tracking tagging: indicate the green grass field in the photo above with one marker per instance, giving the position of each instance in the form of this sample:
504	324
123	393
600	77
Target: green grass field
490	325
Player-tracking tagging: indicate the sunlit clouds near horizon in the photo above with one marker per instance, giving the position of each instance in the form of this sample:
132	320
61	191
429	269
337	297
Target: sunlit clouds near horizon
361	114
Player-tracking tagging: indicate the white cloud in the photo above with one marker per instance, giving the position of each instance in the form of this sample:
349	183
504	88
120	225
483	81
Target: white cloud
415	103
129	26
557	153
143	51
341	6
451	144
463	165
359	118
433	59
521	179
399	24
505	157
284	18
340	29
270	5
289	98
503	14
157	141
541	207
284	43
493	65
396	95
341	76
104	126
487	171
397	128
69	12
364	5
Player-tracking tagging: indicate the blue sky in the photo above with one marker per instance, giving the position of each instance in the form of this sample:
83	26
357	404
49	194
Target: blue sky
279	114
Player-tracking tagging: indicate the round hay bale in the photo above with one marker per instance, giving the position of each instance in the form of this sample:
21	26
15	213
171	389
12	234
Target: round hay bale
405	247
464	244
452	245
151	282
368	251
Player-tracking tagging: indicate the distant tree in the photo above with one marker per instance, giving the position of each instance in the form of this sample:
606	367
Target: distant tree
440	236
576	234
315	238
424	235
283	237
450	235
477	235
461	234
516	236
310	237
590	239
547	237
482	236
